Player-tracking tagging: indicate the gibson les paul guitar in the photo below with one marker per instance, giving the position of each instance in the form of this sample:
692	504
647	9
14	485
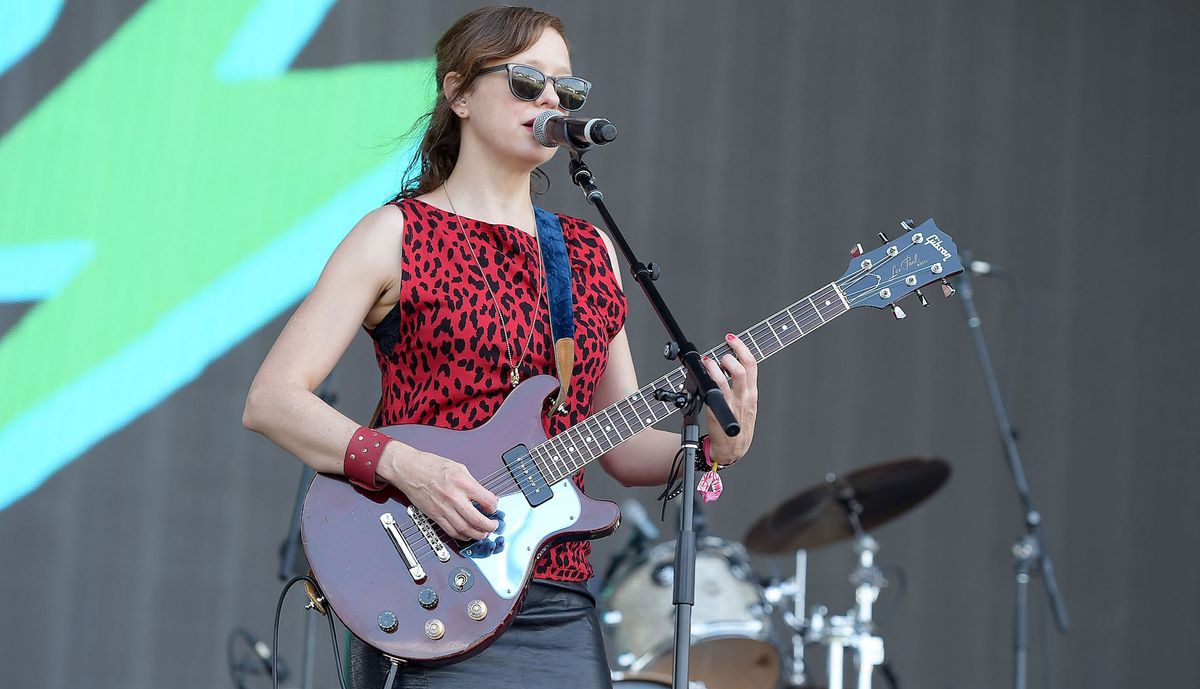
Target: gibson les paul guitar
400	584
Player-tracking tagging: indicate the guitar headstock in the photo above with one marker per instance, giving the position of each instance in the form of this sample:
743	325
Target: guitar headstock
900	267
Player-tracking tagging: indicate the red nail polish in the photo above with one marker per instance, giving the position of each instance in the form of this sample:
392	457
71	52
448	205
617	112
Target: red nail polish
729	336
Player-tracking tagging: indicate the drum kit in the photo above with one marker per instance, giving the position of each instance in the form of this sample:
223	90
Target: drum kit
734	640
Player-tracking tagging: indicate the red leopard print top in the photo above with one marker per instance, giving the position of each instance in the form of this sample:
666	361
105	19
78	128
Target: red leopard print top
442	357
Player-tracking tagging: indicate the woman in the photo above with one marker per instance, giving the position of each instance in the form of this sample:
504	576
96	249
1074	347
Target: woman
447	279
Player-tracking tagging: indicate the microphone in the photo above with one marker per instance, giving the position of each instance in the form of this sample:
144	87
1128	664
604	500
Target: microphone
551	128
987	269
641	521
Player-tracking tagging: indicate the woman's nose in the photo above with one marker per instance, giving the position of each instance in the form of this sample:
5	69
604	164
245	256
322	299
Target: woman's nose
549	96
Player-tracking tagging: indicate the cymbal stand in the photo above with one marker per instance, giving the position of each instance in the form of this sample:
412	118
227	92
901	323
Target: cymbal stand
794	588
798	602
855	629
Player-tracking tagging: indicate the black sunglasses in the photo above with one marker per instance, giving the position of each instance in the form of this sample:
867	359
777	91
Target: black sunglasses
527	83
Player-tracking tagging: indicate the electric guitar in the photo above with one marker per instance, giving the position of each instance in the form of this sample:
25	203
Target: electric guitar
401	585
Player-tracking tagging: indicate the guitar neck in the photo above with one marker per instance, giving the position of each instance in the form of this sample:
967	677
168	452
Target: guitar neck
569	451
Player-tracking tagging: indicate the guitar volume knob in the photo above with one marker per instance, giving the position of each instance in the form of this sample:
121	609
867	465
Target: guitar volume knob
388	622
428	598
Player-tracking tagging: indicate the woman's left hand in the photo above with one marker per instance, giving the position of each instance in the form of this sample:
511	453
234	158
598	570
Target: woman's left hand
741	394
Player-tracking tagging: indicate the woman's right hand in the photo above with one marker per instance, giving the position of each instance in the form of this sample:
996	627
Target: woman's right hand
442	489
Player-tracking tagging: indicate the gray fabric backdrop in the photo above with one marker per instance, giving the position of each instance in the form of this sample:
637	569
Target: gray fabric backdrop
758	142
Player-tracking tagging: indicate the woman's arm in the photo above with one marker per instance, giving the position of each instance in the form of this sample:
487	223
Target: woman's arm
359	284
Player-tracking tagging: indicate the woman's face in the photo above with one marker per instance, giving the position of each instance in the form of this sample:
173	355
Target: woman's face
503	123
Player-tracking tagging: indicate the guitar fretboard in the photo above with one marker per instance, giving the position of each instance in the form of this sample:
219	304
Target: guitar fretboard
569	451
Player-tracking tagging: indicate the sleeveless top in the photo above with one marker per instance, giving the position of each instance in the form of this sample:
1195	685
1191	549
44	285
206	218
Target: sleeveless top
440	350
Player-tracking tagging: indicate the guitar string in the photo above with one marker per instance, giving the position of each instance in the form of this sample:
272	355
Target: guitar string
503	486
757	332
502	481
498	480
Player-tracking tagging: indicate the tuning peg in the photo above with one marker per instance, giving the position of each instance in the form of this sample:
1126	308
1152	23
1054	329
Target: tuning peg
856	251
921	298
883	238
947	288
898	312
907	225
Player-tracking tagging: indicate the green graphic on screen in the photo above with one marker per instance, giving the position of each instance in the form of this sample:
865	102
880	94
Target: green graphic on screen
178	190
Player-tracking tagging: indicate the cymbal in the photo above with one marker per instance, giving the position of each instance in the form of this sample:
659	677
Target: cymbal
815	517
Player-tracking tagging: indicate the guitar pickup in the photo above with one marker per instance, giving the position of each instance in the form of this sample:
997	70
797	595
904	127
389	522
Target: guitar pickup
528	475
406	553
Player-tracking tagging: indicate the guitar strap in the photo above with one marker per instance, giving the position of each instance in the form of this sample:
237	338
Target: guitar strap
559	295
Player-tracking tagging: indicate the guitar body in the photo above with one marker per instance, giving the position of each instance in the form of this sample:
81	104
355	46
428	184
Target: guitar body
364	575
430	600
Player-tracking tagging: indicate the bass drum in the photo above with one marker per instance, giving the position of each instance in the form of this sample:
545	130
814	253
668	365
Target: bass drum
731	625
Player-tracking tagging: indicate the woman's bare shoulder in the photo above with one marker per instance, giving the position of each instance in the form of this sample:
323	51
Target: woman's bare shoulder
383	224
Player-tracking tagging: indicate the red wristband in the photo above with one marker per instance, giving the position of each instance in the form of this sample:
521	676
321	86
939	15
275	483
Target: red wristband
362	457
704	459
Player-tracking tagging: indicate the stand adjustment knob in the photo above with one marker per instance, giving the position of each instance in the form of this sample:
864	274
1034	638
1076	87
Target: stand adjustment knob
671	350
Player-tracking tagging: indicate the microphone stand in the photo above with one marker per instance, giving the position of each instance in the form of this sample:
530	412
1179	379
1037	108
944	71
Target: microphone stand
1029	550
699	390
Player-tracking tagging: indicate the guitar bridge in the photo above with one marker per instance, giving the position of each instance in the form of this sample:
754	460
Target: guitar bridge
410	559
426	528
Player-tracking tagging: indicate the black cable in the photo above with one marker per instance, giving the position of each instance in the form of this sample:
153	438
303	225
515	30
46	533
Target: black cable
885	668
337	655
674	484
236	668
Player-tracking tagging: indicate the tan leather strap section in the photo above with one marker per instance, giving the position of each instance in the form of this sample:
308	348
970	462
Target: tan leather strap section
564	361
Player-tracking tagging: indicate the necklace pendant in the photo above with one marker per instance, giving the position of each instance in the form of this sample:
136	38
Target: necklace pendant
515	377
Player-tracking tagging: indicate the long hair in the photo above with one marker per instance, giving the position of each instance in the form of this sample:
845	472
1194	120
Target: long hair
486	34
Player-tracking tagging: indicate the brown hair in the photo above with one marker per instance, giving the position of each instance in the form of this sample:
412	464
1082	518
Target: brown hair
488	33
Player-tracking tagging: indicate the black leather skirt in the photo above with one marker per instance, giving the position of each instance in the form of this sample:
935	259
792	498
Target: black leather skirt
554	641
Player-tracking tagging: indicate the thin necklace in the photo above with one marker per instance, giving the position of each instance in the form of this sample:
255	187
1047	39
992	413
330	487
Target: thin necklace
514	365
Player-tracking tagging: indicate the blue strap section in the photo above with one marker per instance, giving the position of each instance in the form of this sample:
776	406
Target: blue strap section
558	275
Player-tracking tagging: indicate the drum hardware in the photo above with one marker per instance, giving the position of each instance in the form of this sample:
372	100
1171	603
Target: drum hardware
854	630
842	508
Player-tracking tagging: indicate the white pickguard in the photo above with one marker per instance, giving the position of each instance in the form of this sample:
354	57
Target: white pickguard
524	529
